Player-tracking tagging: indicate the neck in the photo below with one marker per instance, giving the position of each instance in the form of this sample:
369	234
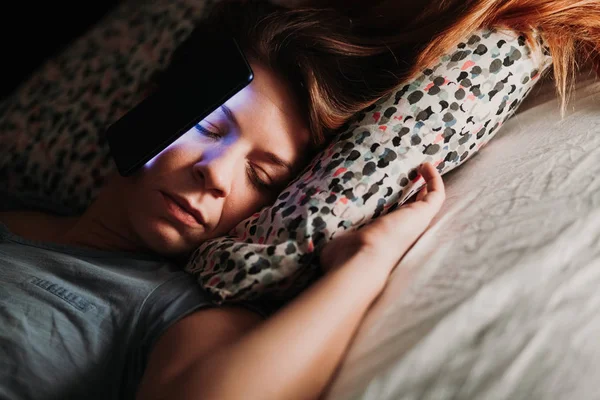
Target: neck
104	226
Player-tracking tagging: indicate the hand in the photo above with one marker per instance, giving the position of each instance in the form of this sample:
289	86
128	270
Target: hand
384	241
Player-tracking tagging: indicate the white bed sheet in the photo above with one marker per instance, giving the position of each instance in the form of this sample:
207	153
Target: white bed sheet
500	299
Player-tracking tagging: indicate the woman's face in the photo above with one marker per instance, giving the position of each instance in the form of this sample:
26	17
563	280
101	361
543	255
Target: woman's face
228	167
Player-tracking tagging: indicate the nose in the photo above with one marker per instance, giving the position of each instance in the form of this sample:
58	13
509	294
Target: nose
216	171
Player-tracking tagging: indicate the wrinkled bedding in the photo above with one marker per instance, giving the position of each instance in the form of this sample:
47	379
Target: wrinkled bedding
500	299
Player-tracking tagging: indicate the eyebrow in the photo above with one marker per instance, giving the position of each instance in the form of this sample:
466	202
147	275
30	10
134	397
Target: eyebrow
229	114
272	157
276	160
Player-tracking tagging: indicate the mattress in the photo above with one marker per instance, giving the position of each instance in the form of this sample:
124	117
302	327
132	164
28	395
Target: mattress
500	298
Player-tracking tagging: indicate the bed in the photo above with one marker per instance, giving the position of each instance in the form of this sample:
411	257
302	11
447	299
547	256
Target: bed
497	300
502	300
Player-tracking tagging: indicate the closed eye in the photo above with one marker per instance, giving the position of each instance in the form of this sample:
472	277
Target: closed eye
256	179
208	133
255	173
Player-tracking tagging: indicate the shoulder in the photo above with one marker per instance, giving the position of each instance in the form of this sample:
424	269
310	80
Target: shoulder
211	327
192	338
34	217
35	225
180	302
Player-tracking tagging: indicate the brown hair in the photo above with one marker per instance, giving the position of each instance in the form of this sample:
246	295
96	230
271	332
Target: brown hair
341	56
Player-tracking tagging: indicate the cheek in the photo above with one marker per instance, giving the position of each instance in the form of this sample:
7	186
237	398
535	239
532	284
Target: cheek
240	206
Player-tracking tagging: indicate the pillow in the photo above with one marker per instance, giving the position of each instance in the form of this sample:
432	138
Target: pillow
444	116
51	127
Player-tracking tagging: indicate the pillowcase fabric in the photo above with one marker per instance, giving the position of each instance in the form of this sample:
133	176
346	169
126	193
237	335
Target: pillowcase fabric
443	116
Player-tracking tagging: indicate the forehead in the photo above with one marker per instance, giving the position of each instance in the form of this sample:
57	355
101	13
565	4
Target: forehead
268	111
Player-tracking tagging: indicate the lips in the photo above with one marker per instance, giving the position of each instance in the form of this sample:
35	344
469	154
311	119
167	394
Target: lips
183	210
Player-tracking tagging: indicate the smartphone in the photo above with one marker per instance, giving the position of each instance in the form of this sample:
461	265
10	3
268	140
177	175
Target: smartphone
205	72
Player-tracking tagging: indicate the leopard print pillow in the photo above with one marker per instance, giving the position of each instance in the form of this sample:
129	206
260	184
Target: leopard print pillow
52	127
444	116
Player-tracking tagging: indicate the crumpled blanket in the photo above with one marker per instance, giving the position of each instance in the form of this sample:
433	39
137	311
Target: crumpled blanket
500	299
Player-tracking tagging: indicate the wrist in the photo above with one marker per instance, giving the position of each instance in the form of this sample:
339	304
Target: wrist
368	269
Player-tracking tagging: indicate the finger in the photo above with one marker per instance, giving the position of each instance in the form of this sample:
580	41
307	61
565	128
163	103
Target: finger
398	230
422	193
435	184
414	217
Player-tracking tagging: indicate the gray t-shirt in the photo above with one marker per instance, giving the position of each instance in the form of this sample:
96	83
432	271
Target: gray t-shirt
78	323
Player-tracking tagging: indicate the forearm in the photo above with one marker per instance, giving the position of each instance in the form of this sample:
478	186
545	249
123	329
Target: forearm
294	354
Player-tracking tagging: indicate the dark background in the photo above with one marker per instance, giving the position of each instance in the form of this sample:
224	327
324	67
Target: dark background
32	32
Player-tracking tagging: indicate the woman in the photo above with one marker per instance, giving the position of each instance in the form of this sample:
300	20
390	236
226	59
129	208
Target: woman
93	305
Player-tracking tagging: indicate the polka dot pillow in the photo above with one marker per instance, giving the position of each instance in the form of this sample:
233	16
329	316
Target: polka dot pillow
444	116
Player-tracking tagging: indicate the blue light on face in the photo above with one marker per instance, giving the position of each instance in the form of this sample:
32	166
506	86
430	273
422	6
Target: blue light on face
239	98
